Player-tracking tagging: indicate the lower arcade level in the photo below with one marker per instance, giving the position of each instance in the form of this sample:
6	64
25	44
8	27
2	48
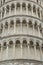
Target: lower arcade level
21	62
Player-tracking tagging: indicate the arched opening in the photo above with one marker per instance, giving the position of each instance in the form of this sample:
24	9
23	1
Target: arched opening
42	47
38	11
0	50
10	49
40	27
12	6
37	1
7	9
17	22
41	30
25	48
24	26
1	28
10	43
24	43
35	25
0	13
34	9
3	11
31	44
37	49
4	50
4	45
23	6
0	46
6	25
31	48
11	24
37	45
18	6
18	25
3	1
30	23
17	49
24	23
17	43
29	7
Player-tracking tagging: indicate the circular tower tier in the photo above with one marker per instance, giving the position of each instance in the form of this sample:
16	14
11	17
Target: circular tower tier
21	32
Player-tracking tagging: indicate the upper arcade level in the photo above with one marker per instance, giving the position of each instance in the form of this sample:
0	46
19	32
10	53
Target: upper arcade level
28	8
40	2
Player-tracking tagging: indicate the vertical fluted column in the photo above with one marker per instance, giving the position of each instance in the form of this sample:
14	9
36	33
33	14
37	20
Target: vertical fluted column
7	51
21	27
15	27
10	9
14	50
40	15
15	9
27	27
32	9
40	53
35	48
21	50
1	51
38	31
26	9
3	28
28	51
8	27
33	29
36	12
5	12
21	7
1	14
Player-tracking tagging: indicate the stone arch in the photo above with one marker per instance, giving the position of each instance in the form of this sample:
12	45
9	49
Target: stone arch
18	6
40	27
29	7
24	43
11	43
31	43
3	1
6	24
24	6
3	11
42	47
0	46
4	44
24	22
1	28
34	9
12	6
37	45
38	11
17	22
30	23
11	23
17	43
36	25
7	8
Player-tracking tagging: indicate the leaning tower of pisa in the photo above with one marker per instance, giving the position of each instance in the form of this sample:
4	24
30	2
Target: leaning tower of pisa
21	32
